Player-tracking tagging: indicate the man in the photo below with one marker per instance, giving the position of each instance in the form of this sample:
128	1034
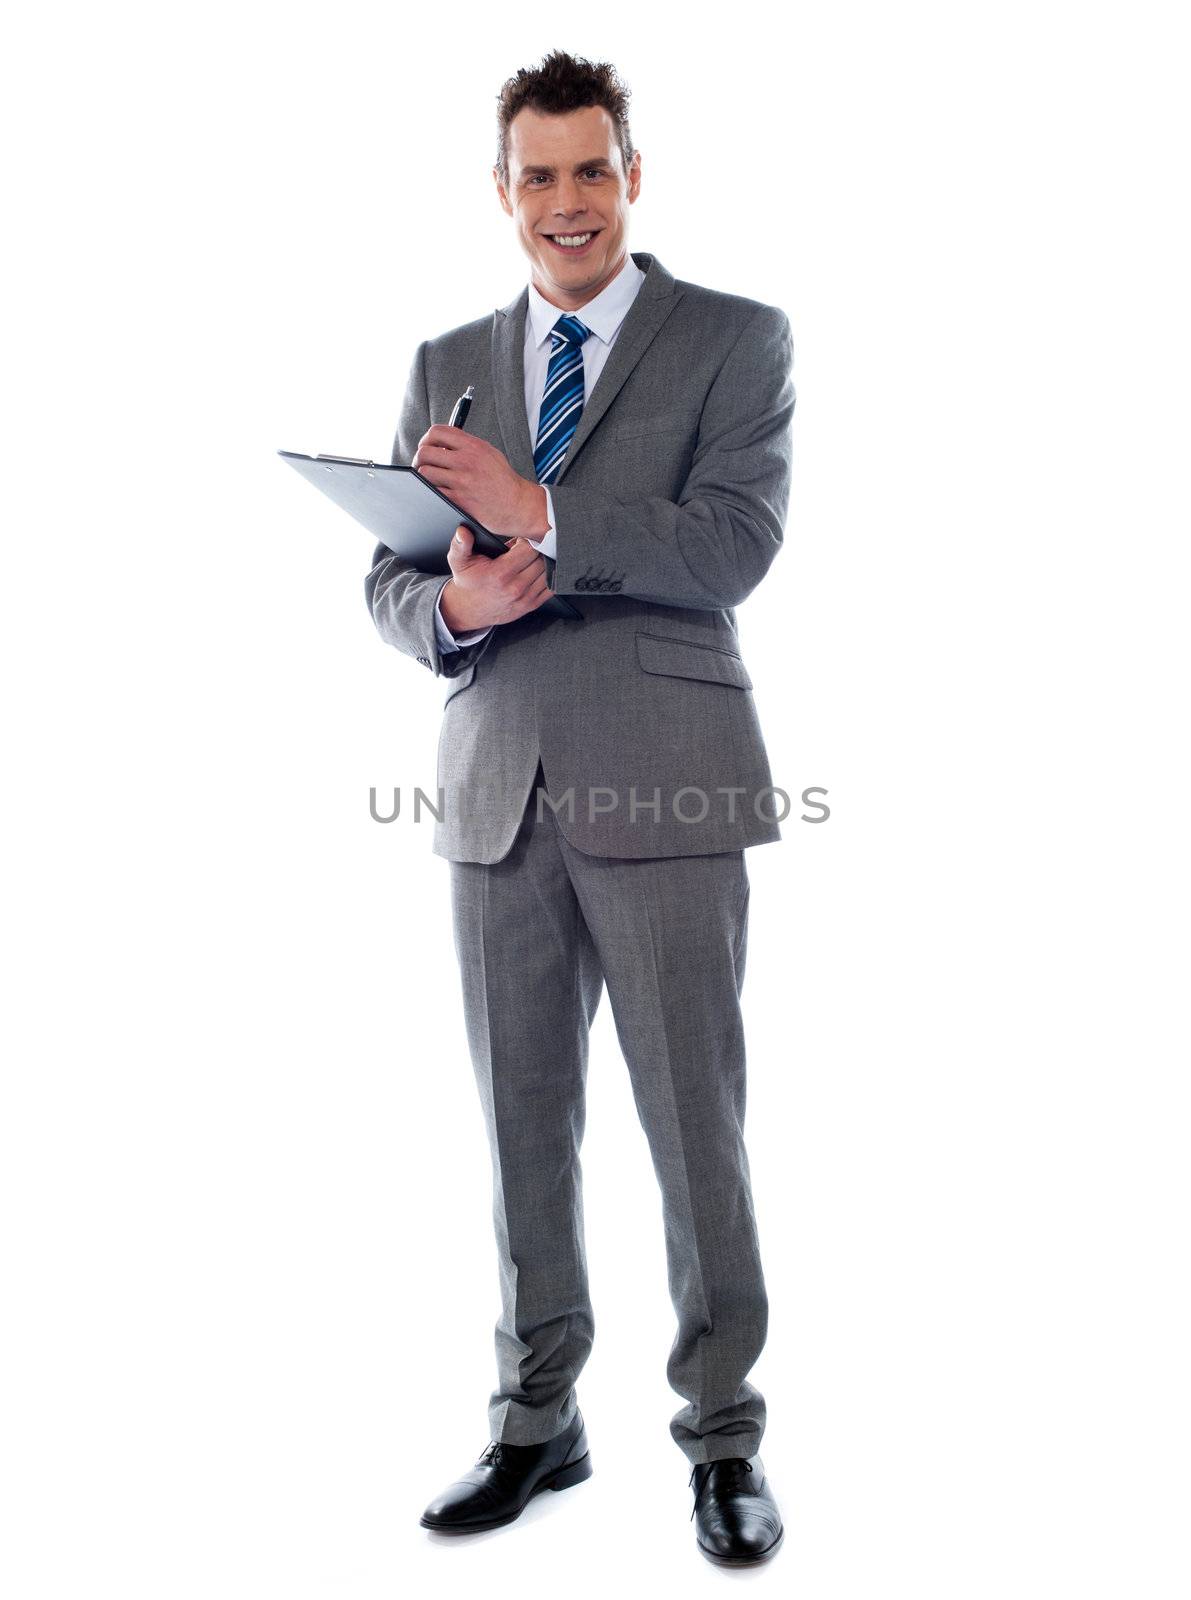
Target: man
602	777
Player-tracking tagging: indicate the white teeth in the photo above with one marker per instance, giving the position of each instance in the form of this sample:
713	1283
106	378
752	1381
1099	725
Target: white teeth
571	240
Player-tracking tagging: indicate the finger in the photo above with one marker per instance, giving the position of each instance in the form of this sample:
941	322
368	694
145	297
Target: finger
536	585
520	556
538	594
461	549
444	436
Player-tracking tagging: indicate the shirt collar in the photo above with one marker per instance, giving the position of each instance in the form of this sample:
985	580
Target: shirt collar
603	315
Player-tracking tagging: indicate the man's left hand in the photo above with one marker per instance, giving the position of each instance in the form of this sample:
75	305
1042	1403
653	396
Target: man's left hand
479	479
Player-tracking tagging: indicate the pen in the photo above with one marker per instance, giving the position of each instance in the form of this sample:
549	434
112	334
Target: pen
462	407
459	415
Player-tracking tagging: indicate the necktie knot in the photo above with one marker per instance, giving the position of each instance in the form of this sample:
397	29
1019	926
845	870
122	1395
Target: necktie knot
569	330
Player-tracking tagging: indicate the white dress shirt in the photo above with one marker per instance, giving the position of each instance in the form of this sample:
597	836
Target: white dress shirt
604	316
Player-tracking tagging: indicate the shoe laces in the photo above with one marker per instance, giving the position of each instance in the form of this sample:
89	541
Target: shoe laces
734	1462
494	1455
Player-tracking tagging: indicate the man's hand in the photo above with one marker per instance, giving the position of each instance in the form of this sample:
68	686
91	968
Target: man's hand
485	590
479	479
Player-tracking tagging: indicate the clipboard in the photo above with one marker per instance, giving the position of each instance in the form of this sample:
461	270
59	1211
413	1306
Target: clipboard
407	513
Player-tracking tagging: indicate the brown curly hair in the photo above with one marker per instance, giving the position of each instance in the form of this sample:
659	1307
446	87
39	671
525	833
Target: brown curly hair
563	83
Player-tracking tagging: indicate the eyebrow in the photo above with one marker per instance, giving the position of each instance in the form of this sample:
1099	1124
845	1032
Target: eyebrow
595	161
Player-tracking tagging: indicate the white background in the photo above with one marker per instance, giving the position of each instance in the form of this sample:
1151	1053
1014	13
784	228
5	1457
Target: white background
242	1147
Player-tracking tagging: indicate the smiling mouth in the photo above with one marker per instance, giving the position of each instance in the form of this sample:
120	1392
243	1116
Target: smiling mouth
573	243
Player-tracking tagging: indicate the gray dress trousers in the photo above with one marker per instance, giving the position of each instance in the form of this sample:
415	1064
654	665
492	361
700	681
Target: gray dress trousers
668	936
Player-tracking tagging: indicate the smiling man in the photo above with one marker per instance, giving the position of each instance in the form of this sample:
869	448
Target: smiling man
603	775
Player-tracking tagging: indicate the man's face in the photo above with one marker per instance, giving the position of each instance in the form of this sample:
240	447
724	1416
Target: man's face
566	179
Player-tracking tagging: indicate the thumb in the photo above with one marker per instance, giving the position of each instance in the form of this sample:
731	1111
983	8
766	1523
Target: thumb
463	542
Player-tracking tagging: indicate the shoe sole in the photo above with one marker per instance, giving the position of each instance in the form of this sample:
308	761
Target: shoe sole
743	1561
577	1472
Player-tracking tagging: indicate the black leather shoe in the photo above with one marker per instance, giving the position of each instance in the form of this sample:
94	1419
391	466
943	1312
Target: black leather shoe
506	1478
739	1521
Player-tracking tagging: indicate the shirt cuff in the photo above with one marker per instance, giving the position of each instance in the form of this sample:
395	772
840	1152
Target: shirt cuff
452	641
548	543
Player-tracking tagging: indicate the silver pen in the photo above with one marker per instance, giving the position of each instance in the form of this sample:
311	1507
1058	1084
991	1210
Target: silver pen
462	407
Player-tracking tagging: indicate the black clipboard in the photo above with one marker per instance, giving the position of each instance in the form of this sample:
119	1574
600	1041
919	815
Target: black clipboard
407	513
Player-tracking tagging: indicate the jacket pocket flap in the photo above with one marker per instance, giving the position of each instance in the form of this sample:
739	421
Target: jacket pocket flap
684	658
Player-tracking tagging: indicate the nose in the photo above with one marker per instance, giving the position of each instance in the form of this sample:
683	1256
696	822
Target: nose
568	200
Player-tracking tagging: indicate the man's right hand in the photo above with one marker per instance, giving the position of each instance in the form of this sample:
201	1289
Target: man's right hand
485	590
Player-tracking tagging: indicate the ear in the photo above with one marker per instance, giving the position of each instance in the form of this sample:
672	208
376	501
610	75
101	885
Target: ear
502	192
634	176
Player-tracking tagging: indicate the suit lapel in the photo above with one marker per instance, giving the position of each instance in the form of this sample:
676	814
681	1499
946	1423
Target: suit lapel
508	378
655	300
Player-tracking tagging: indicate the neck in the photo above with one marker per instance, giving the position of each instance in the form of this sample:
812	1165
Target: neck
576	299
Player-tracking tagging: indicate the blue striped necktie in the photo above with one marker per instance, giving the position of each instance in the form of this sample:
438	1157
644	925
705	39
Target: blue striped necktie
562	400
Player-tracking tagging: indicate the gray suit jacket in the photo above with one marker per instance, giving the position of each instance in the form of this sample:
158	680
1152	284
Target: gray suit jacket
670	506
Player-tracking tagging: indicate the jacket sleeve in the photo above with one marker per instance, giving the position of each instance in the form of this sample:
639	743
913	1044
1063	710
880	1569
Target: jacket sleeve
403	600
713	546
